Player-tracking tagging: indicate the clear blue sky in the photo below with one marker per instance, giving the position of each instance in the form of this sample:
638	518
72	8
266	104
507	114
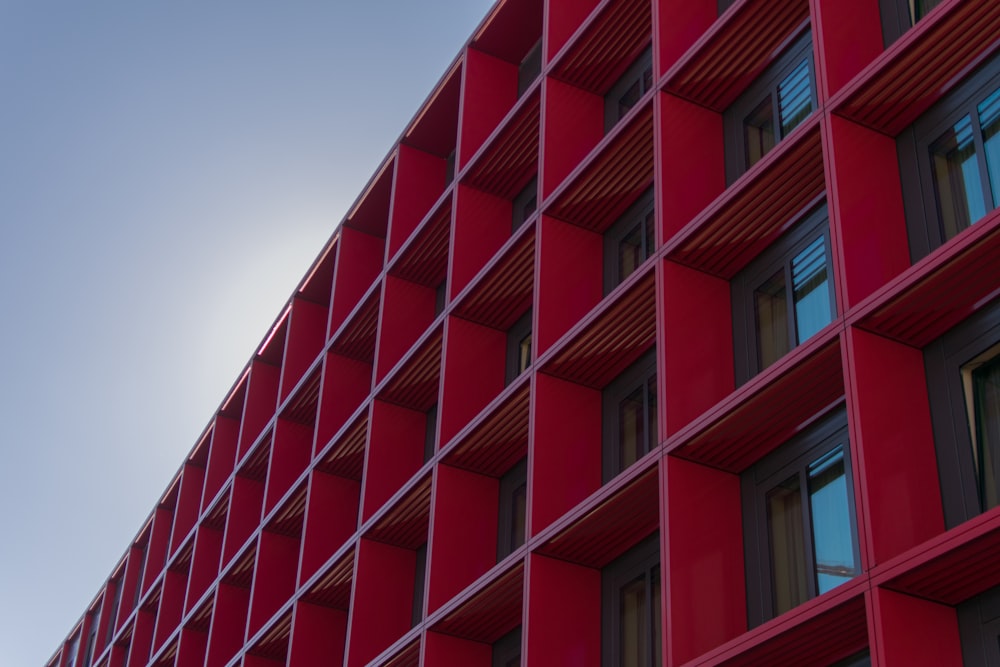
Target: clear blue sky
168	171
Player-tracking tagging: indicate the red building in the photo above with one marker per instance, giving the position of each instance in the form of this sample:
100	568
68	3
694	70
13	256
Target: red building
668	334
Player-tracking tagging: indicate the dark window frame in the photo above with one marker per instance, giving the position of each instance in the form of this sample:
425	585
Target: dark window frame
637	376
806	228
507	649
430	432
639	72
642	212
944	359
529	68
513	482
516	335
641	560
920	203
897	18
979	629
765	85
115	605
793	456
419	582
524	205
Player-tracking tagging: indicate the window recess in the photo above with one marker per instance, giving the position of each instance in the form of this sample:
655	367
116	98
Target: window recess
629	416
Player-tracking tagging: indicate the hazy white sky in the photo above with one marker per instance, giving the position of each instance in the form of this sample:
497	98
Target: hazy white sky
168	171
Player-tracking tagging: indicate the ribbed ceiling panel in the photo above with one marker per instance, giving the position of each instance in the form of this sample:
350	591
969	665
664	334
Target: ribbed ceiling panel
498	441
357	339
509	161
182	563
607	186
736	50
255	467
958	284
609	529
201	620
347	457
770	414
409	656
821	640
302	408
752	214
273	645
334	588
424	260
415	386
505	292
923	66
240	573
611	341
216	517
608	46
288	520
490	613
956	575
405	524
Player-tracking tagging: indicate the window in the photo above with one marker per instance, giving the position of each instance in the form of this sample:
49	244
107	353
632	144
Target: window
626	92
440	297
898	16
71	650
949	162
113	616
630	607
519	347
430	432
529	69
784	296
774	105
507	649
629	241
979	629
512	506
524	204
629	416
449	167
963	382
88	653
419	574
799	526
862	659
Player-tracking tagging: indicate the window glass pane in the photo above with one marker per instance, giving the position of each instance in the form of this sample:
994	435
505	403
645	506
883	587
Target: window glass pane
758	132
633	630
989	120
919	8
787	545
772	319
518	503
833	545
956	178
524	354
810	290
631	428
629	98
986	390
795	98
630	252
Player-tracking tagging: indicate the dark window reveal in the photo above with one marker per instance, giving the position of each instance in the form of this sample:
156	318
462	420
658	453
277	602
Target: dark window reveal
631	607
628	90
629	241
629	416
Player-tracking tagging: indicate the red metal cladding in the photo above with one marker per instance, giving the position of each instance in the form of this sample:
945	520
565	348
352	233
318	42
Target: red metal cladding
498	440
510	159
215	518
415	385
371	214
770	409
357	338
433	131
489	613
333	589
288	519
182	561
609	528
301	409
346	458
756	209
922	66
608	46
736	50
510	30
944	289
318	283
621	172
504	292
201	619
405	523
240	573
255	465
424	259
612	340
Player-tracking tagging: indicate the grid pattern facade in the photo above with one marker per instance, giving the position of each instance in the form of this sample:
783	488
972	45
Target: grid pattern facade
643	286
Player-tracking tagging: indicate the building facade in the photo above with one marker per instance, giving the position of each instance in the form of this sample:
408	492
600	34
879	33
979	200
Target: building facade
667	334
